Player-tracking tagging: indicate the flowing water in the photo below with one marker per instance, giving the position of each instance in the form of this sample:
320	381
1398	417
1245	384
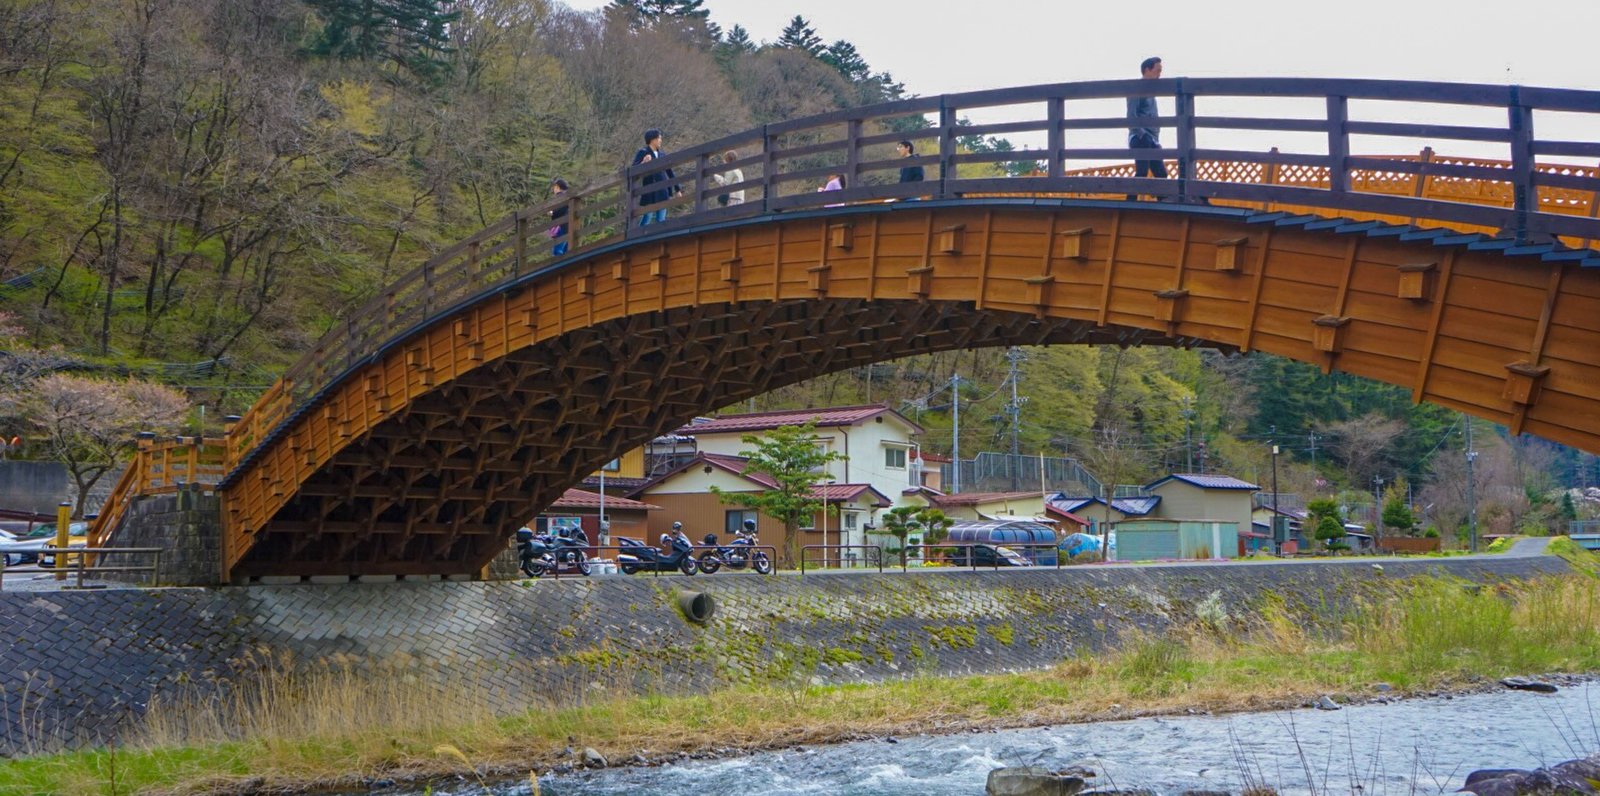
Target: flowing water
1414	746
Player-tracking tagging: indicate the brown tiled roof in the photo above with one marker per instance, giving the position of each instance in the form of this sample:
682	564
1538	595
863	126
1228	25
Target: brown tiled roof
579	499
974	498
616	482
1052	508
766	421
834	493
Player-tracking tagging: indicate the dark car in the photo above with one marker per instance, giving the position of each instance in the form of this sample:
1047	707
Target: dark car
988	555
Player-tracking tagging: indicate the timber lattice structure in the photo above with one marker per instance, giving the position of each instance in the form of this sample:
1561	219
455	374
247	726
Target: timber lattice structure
460	400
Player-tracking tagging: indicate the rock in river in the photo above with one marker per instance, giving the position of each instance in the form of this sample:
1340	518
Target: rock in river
1524	684
1577	777
592	758
1028	781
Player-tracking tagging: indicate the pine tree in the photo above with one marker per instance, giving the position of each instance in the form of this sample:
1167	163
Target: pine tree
413	33
687	17
801	36
651	12
739	41
844	57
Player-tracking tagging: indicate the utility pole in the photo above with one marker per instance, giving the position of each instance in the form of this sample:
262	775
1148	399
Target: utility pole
1188	434
1014	356
1273	526
955	434
1377	507
1313	450
1472	496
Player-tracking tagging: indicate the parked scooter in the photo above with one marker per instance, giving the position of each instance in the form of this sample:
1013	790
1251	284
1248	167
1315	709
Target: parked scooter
541	553
636	556
737	554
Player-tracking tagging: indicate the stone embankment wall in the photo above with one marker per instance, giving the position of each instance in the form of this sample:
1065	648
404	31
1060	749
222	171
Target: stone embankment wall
77	666
186	525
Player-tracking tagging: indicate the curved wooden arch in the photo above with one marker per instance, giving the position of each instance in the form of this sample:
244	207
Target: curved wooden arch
428	453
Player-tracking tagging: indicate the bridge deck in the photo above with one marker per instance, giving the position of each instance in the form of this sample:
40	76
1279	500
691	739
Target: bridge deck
490	378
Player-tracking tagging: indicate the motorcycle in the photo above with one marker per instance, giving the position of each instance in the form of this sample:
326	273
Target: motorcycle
737	554
542	553
636	556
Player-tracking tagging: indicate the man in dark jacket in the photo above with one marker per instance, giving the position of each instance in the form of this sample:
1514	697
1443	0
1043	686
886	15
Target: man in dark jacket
1141	136
652	152
908	173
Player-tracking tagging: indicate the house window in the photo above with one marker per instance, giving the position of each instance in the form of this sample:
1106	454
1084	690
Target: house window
894	458
613	466
559	526
735	520
822	450
851	520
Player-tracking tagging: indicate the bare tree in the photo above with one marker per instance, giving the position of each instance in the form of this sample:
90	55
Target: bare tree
89	424
1362	444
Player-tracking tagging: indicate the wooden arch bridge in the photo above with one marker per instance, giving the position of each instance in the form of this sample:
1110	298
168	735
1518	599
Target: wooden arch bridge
431	422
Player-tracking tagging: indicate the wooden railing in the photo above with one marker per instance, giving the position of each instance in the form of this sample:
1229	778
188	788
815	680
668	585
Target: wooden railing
159	467
1530	201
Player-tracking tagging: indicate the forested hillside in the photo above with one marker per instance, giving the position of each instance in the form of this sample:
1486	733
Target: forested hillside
193	190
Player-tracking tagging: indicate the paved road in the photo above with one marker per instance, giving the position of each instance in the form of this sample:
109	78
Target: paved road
33	579
29	579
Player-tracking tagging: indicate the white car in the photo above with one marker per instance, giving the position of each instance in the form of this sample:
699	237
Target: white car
30	549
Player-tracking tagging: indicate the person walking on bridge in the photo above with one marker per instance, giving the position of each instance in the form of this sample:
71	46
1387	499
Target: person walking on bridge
1145	135
558	190
652	152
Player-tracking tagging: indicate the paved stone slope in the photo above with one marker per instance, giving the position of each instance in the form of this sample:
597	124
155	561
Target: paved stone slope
77	666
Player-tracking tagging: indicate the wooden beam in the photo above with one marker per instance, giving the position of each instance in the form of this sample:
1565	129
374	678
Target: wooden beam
1249	330
1111	264
1431	342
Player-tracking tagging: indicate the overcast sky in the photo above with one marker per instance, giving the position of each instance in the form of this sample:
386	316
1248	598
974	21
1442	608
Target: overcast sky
937	48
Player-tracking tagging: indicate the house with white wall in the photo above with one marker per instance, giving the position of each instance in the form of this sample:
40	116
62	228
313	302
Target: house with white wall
876	443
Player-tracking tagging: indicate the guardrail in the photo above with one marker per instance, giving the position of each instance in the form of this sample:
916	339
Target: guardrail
85	560
697	551
781	163
877	554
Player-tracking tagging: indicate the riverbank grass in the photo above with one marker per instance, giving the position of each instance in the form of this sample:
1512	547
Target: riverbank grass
340	726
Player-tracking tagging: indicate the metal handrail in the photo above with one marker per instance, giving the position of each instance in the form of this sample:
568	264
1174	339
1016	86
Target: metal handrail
972	560
76	559
772	553
877	553
1528	199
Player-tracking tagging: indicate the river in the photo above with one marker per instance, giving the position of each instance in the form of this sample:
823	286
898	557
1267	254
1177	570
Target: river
1414	746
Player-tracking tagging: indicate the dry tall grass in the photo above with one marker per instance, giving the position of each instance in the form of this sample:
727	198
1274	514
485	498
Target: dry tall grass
324	723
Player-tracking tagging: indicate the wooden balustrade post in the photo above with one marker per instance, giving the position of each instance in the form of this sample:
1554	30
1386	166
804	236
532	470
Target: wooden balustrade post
769	169
852	155
427	286
1594	211
1338	144
701	173
1419	189
193	462
947	145
1184	102
574	205
349	335
625	211
1524	196
1057	137
230	442
520	224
